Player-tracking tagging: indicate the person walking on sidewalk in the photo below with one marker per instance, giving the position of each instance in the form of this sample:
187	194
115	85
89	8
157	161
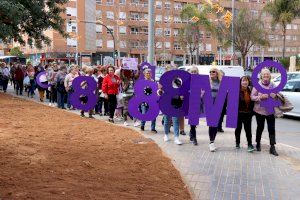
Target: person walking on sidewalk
193	133
245	113
110	89
261	112
215	80
145	106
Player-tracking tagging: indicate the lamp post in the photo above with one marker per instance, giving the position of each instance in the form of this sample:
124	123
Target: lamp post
151	32
110	32
232	34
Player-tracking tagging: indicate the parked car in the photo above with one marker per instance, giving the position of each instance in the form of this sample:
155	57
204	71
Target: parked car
290	76
292	92
235	71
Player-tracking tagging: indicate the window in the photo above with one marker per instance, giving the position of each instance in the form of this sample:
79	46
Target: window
158	18
175	32
99	43
167	18
158	45
135	44
177	46
98	28
109	15
167	31
201	34
294	37
177	6
110	44
123	44
71	42
177	19
295	26
289	26
122	2
134	30
98	14
144	30
271	37
135	16
71	11
292	86
110	28
208	35
288	37
99	2
122	15
122	29
158	4
158	31
167	5
109	2
254	12
271	49
167	45
208	47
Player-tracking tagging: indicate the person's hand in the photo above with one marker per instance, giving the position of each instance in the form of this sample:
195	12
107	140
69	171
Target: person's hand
181	97
273	95
105	96
264	96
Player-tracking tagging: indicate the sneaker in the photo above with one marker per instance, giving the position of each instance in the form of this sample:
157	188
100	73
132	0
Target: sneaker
212	147
111	120
182	133
154	131
81	115
142	128
250	148
50	104
91	117
166	138
137	123
177	141
100	114
126	124
237	146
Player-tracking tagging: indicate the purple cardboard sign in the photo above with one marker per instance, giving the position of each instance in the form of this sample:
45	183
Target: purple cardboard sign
144	66
140	97
165	101
229	87
269	103
88	92
38	81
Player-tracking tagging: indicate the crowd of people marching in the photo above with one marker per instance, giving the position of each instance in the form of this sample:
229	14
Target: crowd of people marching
115	88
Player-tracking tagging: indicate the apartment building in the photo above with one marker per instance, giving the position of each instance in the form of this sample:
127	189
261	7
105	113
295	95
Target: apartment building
128	35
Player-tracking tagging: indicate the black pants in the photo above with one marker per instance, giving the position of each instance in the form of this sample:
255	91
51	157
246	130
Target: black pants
246	119
19	88
193	132
53	95
260	119
112	104
99	105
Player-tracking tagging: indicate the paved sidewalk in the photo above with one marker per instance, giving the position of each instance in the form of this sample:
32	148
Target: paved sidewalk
229	173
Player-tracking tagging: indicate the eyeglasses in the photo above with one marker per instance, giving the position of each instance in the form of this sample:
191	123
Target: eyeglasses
212	72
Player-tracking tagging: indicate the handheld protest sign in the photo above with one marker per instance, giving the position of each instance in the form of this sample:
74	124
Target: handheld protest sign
83	97
38	80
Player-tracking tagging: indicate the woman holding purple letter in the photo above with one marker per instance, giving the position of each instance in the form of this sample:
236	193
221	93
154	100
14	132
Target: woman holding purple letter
261	112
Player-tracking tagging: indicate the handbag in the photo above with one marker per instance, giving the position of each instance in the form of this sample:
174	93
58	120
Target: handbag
286	105
26	81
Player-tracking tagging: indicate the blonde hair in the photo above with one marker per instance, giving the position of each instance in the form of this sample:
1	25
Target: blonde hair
220	75
194	68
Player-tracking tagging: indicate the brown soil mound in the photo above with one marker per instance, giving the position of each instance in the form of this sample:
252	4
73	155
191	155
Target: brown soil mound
47	153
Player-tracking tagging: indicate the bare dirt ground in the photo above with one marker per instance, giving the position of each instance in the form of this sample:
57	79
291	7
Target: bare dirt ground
47	153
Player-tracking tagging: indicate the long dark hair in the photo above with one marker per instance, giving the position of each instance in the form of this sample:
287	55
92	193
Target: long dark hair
249	81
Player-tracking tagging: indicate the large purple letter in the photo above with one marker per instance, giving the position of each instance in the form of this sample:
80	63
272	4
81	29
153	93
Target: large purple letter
229	87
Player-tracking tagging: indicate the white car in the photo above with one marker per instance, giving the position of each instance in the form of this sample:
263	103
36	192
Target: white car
290	76
234	71
292	92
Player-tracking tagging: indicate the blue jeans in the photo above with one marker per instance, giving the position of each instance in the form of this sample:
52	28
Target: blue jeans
175	120
153	122
60	100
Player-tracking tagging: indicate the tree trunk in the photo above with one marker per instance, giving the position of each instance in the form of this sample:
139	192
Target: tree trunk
284	40
197	55
244	60
191	56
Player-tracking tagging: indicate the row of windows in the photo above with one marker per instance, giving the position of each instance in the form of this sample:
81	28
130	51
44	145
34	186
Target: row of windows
280	37
280	49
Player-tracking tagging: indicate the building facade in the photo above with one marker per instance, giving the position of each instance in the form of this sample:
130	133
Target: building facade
127	20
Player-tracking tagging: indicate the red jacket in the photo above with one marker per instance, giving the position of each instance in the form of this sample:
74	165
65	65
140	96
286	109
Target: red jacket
110	87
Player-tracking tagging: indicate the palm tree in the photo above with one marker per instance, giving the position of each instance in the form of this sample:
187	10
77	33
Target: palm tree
283	12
